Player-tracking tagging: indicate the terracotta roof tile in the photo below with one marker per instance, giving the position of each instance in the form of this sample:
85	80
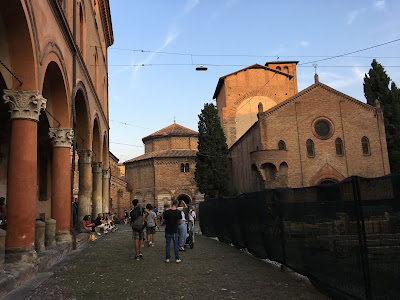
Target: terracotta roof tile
172	130
164	154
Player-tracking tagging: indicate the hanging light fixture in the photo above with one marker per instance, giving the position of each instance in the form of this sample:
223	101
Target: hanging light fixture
201	68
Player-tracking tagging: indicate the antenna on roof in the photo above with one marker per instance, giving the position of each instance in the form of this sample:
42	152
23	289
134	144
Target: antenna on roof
315	68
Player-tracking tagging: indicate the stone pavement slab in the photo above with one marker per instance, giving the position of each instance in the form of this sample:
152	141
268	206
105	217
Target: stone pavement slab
212	270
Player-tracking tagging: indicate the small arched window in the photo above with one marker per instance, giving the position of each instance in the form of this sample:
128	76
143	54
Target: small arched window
365	146
281	145
182	168
310	148
186	167
278	68
339	147
286	69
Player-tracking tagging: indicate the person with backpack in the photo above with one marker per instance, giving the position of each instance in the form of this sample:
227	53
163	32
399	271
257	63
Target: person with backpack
138	224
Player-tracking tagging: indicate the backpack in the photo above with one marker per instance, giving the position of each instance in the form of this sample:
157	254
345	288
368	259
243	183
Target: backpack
138	224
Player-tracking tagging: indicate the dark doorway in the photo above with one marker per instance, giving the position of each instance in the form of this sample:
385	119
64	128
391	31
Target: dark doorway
185	198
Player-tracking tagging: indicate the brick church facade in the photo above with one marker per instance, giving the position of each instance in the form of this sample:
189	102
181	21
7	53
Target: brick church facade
281	138
166	170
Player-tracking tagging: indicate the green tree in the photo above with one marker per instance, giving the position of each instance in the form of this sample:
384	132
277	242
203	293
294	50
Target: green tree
211	174
377	87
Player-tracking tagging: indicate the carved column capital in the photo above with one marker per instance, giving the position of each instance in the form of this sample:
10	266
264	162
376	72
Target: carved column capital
97	167
85	156
24	104
61	137
107	174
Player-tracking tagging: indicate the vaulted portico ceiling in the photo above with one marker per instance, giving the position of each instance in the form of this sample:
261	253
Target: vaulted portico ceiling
105	13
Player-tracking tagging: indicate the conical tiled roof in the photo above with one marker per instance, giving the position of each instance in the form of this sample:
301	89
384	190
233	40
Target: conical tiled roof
171	130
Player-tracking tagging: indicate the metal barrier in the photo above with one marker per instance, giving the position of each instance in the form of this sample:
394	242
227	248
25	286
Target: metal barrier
344	237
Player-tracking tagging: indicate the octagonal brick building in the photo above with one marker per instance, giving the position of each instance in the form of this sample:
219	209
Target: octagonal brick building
166	170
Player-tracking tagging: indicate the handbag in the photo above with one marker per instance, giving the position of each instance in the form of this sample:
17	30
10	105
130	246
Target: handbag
91	237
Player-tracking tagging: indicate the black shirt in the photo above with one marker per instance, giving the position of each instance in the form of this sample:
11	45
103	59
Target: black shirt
136	213
171	219
98	221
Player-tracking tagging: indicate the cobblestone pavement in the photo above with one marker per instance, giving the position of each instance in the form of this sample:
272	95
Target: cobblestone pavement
212	270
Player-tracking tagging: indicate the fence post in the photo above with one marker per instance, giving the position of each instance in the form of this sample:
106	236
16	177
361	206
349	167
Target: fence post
362	238
281	227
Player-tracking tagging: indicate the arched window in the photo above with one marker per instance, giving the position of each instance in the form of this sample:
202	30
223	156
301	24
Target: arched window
310	148
286	69
339	147
365	146
185	168
278	68
281	145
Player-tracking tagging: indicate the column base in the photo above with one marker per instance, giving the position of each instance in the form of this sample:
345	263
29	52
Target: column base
21	255
63	236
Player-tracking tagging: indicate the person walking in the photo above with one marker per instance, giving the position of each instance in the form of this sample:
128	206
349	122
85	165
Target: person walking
182	227
151	225
172	219
192	218
137	223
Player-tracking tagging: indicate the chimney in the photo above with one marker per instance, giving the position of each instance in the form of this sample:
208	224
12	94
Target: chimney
260	107
316	78
377	104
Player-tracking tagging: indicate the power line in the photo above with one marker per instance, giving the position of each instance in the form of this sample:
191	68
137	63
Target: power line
124	123
345	54
248	55
218	65
125	144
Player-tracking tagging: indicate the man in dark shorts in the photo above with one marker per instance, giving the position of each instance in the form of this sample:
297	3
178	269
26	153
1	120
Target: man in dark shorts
172	219
138	235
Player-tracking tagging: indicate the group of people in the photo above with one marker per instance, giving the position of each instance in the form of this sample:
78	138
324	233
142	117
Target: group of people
104	222
173	217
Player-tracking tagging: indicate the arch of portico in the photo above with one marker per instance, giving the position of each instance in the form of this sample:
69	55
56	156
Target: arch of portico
97	166
55	149
106	175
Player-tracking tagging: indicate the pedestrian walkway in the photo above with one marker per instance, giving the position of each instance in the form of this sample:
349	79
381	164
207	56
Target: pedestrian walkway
106	269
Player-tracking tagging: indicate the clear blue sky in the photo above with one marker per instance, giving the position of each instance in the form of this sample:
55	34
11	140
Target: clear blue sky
150	97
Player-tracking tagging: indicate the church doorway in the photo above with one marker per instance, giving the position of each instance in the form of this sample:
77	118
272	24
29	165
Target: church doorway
328	181
185	198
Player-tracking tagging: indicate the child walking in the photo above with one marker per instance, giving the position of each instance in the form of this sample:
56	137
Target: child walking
151	224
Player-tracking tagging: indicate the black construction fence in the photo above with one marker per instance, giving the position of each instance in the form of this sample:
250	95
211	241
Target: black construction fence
345	237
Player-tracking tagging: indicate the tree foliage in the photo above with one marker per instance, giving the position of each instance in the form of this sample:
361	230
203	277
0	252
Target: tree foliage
212	174
378	86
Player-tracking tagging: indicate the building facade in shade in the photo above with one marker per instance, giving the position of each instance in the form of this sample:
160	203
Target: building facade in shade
166	170
119	194
54	66
318	135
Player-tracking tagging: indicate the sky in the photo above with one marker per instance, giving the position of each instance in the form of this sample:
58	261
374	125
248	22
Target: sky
228	35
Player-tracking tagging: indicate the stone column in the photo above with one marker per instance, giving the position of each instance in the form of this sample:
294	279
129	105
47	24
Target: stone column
61	139
25	107
97	189
106	190
85	183
39	236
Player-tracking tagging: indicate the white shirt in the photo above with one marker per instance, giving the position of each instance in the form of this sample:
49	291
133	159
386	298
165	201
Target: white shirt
192	215
182	213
